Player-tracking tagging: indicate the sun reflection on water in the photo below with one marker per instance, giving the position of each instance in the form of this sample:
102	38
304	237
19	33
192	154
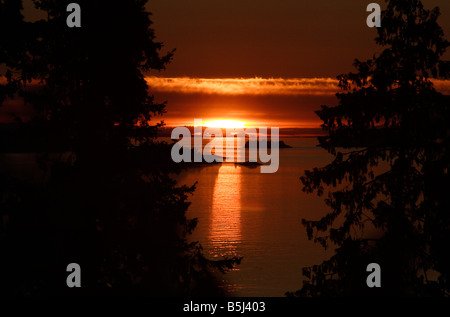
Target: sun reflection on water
225	222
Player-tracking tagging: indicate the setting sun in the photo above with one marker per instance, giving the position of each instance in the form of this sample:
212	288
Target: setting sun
224	124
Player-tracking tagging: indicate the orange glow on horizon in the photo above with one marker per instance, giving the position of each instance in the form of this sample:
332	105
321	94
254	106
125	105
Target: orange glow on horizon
225	124
211	122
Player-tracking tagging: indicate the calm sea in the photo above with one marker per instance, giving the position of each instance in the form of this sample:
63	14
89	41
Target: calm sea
242	212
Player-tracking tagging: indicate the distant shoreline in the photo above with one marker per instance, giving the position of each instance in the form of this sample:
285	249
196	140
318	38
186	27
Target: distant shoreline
283	133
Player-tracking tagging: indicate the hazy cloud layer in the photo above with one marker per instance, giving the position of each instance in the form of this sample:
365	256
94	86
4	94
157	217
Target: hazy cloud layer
245	86
256	86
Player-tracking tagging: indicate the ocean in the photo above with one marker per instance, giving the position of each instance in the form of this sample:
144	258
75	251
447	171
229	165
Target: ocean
244	213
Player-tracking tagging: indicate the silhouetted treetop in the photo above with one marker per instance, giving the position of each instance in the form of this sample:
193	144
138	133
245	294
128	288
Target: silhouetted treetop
390	137
108	200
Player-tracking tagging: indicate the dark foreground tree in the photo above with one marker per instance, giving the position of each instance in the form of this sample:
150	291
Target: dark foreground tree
390	137
107	201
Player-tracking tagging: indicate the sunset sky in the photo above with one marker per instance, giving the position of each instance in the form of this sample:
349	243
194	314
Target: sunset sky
279	59
265	62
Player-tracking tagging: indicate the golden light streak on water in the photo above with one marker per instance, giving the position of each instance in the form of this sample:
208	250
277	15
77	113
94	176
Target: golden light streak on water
225	222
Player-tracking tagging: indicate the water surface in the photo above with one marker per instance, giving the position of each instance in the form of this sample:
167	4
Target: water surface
242	212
